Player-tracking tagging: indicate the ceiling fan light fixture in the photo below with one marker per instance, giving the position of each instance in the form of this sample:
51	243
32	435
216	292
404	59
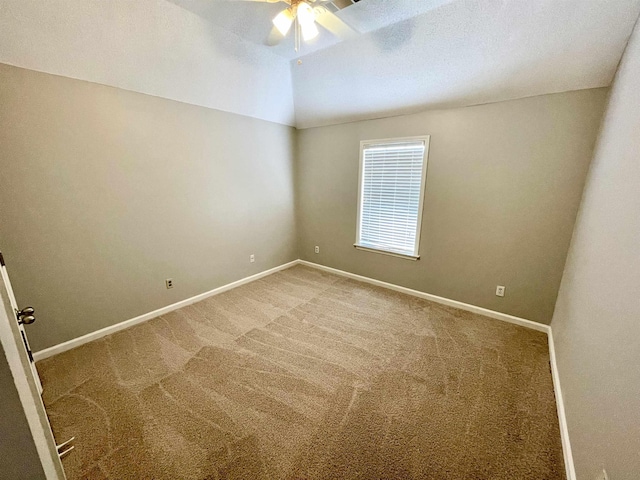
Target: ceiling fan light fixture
305	13
307	20
309	31
283	21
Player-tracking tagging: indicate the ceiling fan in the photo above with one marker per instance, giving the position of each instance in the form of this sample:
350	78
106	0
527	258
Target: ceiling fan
303	15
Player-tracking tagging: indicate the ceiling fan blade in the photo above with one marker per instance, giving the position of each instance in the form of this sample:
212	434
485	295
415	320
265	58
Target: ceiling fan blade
274	38
334	24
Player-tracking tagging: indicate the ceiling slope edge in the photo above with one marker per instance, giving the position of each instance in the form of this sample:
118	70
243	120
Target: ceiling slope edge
418	109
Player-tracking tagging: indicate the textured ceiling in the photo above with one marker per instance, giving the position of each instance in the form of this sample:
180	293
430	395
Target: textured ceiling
409	54
464	52
416	54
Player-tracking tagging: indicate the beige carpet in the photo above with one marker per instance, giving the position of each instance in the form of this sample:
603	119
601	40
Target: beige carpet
306	375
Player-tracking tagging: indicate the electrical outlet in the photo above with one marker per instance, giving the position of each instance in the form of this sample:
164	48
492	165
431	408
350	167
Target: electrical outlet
169	282
252	258
602	475
500	290
317	249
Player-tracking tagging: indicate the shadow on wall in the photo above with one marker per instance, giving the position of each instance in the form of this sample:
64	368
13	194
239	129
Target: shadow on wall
392	39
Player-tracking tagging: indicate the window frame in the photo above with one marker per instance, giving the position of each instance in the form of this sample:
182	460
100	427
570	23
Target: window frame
423	182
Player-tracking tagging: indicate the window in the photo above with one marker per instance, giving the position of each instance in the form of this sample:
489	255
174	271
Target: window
392	179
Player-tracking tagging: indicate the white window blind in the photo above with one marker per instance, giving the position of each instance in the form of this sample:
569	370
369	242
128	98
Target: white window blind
391	192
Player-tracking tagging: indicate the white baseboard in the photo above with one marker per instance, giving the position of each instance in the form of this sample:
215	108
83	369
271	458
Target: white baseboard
89	337
434	298
566	446
76	342
562	419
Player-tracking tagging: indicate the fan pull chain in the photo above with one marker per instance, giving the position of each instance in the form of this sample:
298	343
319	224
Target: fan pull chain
297	35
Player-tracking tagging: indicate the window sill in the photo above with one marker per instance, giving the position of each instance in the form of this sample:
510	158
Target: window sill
385	252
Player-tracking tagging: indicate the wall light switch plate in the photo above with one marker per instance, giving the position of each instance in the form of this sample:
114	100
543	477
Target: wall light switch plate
317	249
500	290
252	258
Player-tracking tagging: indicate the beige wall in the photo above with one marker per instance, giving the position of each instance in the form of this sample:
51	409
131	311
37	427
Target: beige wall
105	193
503	187
596	324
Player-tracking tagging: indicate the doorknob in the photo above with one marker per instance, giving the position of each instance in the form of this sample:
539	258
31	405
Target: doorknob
26	319
25	316
26	311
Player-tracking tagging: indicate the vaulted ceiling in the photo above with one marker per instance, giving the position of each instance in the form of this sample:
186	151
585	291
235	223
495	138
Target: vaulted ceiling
408	55
251	20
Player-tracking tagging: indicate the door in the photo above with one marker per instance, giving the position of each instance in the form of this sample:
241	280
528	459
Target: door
23	317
